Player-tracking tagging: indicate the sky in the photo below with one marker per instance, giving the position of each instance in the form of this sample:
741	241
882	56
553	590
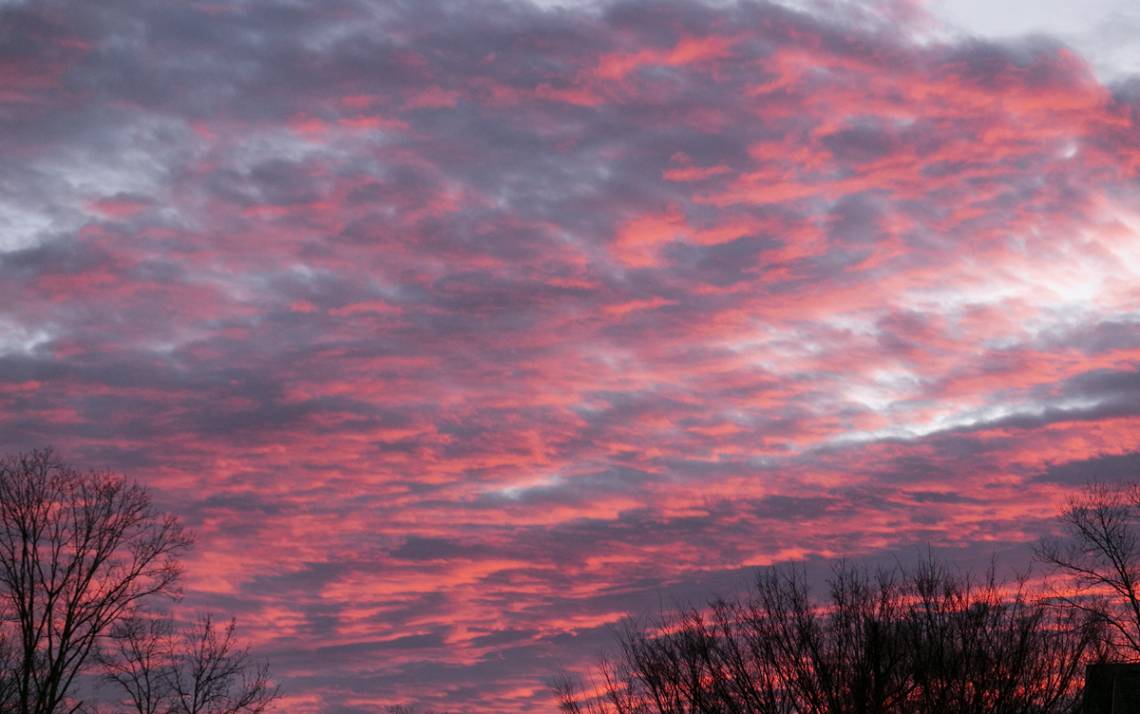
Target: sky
458	331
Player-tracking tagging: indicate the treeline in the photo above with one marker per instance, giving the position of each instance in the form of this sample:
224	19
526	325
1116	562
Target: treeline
924	640
86	562
891	641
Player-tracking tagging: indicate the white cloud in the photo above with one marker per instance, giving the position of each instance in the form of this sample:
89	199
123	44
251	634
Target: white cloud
1103	31
20	339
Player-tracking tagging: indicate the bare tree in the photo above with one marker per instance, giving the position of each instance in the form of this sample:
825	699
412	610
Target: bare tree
7	669
847	655
1101	556
884	642
137	660
987	646
199	669
78	551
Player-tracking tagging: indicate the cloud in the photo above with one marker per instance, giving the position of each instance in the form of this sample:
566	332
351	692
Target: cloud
459	331
1113	467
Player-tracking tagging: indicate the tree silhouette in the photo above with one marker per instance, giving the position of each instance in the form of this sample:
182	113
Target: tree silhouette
1101	556
882	642
7	670
199	669
136	660
78	551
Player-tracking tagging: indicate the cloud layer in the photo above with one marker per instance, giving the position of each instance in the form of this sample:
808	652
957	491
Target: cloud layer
459	330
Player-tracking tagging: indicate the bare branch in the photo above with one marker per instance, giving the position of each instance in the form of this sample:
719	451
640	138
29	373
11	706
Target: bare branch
888	641
78	551
1100	562
197	669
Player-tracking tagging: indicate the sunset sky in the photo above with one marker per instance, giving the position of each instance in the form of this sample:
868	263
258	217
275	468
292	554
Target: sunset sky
459	330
